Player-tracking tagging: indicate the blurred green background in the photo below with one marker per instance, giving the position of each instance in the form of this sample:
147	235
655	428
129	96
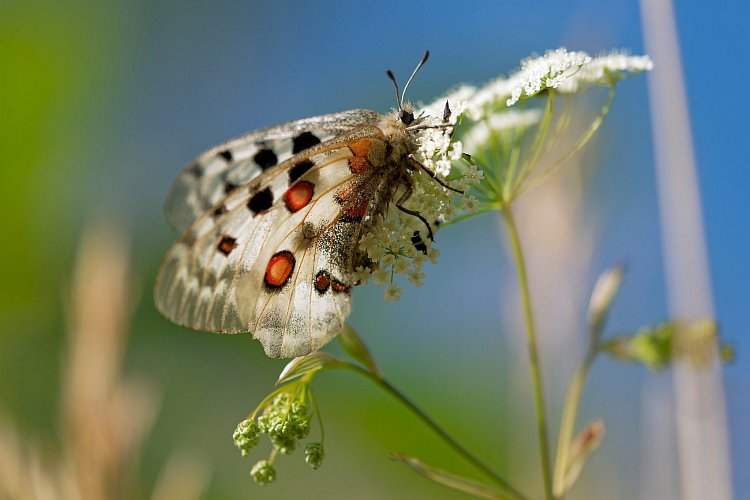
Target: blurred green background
101	103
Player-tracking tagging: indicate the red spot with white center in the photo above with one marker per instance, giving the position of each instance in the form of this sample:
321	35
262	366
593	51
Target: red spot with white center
298	196
279	269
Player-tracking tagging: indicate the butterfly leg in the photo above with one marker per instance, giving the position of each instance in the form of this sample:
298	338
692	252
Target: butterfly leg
432	174
402	199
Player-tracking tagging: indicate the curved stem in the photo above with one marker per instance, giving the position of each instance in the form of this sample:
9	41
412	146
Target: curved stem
507	489
536	369
320	419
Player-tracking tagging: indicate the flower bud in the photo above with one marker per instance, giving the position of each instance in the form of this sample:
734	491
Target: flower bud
246	436
263	473
314	454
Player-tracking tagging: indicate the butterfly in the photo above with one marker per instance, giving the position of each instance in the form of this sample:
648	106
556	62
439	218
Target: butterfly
270	224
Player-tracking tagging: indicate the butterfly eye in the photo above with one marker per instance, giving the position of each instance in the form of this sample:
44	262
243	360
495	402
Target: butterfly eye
405	117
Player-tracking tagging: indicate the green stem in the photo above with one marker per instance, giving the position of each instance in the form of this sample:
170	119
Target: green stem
582	141
536	369
571	405
530	164
568	421
320	419
507	489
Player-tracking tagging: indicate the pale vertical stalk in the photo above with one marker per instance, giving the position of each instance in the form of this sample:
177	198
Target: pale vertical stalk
702	439
535	365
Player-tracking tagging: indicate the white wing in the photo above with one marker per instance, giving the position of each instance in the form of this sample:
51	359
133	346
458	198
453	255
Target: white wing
215	173
274	257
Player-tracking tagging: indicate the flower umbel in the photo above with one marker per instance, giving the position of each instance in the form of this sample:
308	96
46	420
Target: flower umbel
505	148
284	416
510	126
285	421
545	72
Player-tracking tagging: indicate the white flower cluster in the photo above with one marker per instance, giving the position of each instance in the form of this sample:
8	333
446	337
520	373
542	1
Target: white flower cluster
399	243
558	69
617	65
389	243
545	72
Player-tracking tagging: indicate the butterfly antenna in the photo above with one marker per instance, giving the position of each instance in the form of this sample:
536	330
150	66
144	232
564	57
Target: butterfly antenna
421	63
393	79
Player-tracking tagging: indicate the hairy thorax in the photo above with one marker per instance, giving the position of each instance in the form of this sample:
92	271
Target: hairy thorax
399	142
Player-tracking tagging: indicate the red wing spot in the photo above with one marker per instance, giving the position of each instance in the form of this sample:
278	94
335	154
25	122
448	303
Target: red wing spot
340	287
358	164
361	147
279	269
226	245
322	281
298	196
356	211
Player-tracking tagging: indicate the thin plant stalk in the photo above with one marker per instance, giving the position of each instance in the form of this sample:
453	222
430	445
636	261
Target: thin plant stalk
568	421
506	487
582	141
535	365
528	166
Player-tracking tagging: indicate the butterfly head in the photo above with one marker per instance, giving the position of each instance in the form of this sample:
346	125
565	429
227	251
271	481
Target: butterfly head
406	110
406	117
406	114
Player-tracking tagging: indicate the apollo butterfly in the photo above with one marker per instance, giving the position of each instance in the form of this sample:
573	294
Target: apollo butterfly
271	222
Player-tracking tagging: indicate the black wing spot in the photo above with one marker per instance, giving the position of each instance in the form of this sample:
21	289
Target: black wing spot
304	141
195	170
226	245
265	158
219	211
349	216
226	154
299	170
229	187
261	201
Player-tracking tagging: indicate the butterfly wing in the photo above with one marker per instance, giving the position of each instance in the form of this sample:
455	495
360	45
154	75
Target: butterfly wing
274	257
214	174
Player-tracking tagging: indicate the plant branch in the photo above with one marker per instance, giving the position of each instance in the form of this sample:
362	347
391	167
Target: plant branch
568	422
535	365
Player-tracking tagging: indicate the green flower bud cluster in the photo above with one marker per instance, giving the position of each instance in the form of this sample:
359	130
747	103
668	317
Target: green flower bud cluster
246	436
286	421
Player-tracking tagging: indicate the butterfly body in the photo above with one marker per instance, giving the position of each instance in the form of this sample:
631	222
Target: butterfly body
271	223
